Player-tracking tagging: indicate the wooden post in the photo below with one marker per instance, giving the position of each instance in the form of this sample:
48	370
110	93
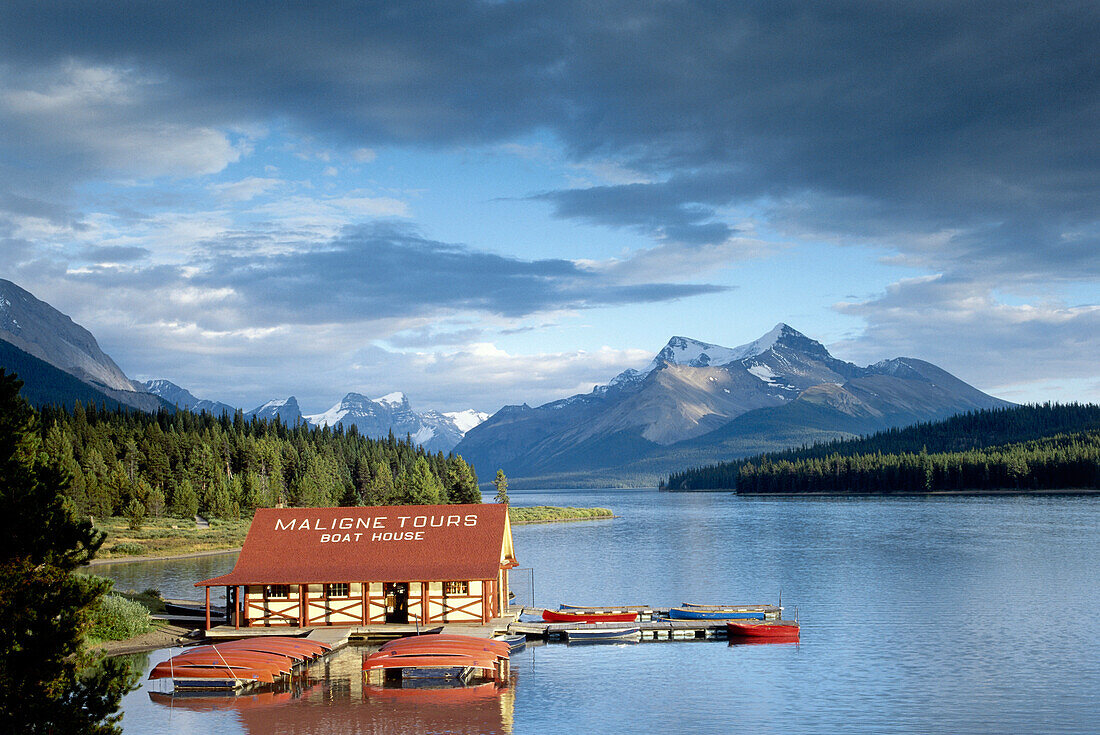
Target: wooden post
484	601
303	605
424	616
236	607
208	607
366	601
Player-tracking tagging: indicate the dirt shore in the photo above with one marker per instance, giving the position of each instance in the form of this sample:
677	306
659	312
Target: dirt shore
162	636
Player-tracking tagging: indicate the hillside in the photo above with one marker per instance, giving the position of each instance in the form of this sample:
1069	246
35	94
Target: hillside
1046	439
699	403
46	385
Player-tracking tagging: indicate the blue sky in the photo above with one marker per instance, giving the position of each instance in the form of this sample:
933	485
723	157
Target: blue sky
489	203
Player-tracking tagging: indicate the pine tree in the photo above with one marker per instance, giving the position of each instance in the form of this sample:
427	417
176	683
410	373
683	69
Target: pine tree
501	484
49	683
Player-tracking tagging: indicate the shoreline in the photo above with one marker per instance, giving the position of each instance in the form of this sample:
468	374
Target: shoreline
563	520
166	636
170	557
933	493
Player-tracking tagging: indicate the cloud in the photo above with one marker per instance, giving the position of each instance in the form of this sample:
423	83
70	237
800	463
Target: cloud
245	189
965	328
388	270
82	119
972	119
113	253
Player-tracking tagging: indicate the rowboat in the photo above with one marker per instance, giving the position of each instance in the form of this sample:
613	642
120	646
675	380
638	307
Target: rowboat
778	631
604	608
753	606
715	613
559	616
603	635
515	642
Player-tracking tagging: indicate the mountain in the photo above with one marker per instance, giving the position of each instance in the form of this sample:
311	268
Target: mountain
46	385
699	402
376	418
38	329
182	398
286	410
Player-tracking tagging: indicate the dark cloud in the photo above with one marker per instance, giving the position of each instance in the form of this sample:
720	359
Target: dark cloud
388	270
113	253
977	119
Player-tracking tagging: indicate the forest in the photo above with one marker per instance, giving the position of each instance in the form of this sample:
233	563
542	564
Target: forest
131	463
1041	447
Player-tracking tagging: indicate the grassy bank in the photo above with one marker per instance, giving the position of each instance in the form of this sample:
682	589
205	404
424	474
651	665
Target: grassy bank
163	537
552	514
168	537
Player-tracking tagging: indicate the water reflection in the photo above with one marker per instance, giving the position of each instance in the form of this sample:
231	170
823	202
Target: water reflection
332	697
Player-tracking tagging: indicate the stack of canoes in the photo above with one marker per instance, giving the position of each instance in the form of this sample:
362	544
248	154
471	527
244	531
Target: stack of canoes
236	664
457	658
762	631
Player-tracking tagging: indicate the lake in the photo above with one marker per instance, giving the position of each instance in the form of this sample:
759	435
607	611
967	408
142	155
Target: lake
960	614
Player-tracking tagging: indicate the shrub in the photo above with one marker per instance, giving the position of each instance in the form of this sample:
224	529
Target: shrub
128	548
115	618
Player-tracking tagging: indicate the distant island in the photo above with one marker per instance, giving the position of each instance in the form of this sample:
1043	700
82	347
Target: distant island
1039	448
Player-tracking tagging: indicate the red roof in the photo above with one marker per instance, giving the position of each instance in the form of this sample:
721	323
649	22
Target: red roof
425	543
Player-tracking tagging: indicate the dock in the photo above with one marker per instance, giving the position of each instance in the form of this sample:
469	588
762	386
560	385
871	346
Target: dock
653	623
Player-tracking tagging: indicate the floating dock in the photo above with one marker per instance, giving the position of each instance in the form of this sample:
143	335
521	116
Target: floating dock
652	622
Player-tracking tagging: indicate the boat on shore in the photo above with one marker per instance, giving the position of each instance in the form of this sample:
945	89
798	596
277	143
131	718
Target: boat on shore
760	631
562	616
603	635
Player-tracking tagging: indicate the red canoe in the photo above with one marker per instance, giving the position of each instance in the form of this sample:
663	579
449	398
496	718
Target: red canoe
784	631
558	616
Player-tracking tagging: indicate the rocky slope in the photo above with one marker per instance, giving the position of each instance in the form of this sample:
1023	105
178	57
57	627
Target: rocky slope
697	402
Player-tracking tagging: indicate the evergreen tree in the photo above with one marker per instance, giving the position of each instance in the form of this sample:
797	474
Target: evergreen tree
49	683
501	484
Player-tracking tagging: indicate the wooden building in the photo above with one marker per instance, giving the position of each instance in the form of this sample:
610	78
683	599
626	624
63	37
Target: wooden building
302	567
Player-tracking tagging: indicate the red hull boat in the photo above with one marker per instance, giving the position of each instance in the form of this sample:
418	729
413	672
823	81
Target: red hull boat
778	631
556	616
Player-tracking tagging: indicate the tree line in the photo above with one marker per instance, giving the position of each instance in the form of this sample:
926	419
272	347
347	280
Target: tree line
1040	447
125	462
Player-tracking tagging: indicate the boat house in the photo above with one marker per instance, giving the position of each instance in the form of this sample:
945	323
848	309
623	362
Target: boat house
303	567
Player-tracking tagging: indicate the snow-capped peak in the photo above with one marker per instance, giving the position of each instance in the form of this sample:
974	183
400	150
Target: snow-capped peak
273	403
466	420
692	352
393	399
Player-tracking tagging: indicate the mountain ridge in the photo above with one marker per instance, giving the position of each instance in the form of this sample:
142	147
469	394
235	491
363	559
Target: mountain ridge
696	400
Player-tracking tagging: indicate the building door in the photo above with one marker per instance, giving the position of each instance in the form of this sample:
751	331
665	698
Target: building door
397	602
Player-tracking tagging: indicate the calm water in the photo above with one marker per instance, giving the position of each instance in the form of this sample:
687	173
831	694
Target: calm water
937	615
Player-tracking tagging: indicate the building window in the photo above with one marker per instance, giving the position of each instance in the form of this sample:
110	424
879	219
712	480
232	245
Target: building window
456	588
338	589
277	591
